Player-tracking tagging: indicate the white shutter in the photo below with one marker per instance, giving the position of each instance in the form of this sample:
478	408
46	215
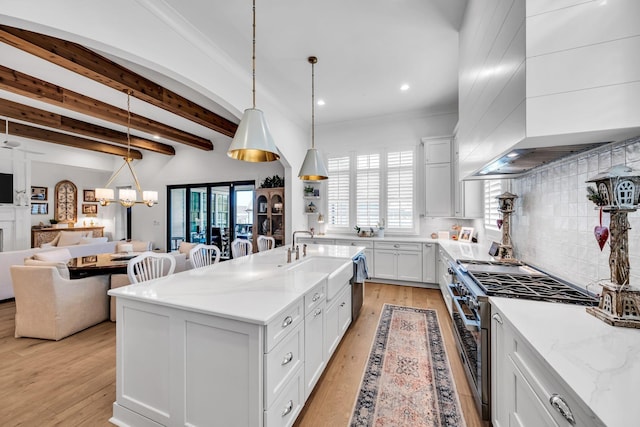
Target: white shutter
400	190
492	189
368	190
338	192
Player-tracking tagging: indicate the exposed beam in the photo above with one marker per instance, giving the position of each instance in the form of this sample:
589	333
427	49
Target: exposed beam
32	87
83	61
26	131
25	113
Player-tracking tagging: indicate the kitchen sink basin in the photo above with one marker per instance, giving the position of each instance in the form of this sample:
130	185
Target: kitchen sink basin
340	271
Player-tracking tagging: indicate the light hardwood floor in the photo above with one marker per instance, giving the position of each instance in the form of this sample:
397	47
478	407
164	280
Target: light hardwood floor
72	382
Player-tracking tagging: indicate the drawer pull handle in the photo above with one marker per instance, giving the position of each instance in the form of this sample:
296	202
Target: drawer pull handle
287	321
288	408
561	406
317	313
316	297
497	318
353	243
396	246
287	358
342	305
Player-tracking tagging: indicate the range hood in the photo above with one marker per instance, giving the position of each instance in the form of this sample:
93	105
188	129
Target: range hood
521	160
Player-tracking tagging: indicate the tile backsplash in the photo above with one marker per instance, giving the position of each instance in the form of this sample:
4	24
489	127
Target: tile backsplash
553	226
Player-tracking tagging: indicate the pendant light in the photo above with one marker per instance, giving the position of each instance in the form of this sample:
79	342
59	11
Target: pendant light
126	197
313	168
253	141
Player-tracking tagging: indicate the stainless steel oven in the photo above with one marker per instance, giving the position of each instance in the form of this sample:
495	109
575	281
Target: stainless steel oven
472	282
471	323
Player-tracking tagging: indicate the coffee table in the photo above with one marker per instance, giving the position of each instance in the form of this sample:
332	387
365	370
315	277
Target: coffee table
94	265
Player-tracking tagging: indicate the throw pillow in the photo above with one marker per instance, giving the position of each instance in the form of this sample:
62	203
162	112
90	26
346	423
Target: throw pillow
185	248
59	255
61	266
68	238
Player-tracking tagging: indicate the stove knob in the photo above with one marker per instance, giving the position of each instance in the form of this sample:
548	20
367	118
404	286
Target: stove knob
450	271
472	303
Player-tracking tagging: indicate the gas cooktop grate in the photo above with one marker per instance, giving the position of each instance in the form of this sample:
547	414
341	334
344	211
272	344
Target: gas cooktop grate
542	288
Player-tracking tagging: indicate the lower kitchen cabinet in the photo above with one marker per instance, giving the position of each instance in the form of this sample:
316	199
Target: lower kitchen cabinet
444	278
314	355
368	251
525	392
398	261
429	273
338	319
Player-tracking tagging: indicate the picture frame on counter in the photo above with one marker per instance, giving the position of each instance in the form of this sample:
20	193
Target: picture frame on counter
466	234
88	209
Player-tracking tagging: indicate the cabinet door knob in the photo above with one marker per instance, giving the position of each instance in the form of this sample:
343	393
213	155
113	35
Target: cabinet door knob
497	318
288	408
287	358
287	321
343	304
561	406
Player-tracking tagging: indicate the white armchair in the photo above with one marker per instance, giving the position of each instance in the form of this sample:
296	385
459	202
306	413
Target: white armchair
50	307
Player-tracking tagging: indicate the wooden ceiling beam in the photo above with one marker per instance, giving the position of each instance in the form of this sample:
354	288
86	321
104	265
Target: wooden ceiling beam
32	87
25	113
81	60
26	131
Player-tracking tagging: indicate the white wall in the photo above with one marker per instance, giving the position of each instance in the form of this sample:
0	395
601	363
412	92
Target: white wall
554	221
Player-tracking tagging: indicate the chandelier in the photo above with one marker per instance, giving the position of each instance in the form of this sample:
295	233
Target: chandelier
127	197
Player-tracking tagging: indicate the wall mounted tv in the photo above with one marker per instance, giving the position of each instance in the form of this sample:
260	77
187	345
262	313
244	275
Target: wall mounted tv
6	188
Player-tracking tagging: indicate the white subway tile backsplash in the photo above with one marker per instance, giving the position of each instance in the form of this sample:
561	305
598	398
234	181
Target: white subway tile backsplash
553	227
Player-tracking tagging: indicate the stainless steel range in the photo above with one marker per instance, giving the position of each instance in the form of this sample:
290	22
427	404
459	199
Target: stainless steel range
472	282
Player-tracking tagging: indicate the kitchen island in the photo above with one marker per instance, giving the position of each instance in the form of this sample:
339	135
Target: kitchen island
237	343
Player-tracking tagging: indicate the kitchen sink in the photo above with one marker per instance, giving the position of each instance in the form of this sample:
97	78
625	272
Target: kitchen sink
340	271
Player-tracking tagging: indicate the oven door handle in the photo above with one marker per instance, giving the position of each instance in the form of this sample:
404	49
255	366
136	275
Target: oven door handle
472	325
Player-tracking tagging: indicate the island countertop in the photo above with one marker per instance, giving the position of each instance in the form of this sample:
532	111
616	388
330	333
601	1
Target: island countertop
253	289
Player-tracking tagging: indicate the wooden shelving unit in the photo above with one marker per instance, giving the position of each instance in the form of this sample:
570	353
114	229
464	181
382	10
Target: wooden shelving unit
268	220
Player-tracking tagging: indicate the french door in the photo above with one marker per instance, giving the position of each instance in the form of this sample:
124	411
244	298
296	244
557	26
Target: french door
212	213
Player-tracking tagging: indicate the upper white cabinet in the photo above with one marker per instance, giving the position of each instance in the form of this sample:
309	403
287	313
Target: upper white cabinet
438	176
468	196
437	150
546	73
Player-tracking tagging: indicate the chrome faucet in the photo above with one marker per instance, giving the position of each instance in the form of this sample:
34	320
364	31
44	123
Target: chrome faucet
293	242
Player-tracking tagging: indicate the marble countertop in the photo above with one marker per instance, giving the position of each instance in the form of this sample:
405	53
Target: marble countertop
254	288
601	363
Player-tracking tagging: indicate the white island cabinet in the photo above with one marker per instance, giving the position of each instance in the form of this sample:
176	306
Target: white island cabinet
239	343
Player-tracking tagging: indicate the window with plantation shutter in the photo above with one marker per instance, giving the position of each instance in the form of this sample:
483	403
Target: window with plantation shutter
400	190
368	190
492	189
338	192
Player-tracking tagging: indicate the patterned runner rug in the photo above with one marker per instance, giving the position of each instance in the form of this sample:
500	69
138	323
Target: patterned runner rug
407	381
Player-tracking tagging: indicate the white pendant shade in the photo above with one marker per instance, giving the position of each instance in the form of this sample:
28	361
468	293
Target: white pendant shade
150	196
104	194
252	141
313	168
127	194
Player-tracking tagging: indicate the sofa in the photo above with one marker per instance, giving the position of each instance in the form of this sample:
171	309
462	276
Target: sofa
84	247
49	306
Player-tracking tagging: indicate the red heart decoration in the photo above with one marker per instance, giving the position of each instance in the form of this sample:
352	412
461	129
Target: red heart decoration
602	234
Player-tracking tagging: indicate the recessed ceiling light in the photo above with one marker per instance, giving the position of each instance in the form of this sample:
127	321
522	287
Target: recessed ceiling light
320	101
404	87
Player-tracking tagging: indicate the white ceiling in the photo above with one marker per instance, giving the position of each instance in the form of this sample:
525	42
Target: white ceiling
366	50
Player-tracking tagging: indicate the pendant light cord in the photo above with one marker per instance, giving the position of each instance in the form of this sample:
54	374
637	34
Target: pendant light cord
313	103
253	57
